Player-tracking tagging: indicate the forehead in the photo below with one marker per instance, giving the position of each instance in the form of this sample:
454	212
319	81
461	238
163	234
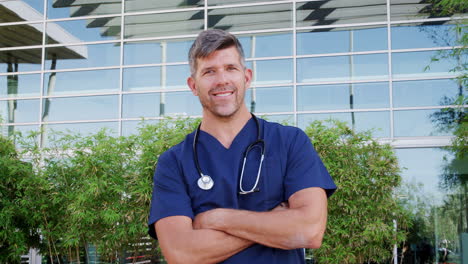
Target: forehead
220	57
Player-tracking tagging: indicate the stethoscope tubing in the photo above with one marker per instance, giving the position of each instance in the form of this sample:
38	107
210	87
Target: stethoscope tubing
205	182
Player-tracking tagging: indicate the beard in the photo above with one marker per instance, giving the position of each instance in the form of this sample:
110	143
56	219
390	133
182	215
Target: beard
223	110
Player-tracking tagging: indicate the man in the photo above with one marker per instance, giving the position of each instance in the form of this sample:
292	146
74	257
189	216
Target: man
209	203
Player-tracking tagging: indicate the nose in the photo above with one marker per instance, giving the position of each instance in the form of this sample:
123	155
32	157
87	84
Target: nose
222	78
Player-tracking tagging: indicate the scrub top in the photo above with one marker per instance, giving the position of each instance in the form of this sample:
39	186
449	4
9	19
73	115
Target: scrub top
291	164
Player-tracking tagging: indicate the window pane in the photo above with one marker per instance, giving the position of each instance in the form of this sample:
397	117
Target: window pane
342	96
433	190
246	42
168	24
251	17
17	10
314	13
7	131
81	82
341	40
273	45
62	9
83	30
81	128
85	129
83	56
19	111
145	52
342	68
177	76
177	51
21	35
418	64
414	123
270	100
304	120
409	36
80	108
282	119
378	122
273	72
267	45
425	92
141	79
422	166
141	105
181	103
20	85
20	60
131	127
145	5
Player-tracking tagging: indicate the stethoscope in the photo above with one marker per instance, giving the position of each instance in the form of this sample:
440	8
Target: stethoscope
205	182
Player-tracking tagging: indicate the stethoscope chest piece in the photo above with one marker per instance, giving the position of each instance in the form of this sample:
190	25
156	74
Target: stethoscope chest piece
205	182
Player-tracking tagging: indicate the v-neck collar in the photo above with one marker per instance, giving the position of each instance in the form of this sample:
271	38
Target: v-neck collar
234	144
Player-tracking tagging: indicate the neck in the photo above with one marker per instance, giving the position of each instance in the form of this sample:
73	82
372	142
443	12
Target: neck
225	129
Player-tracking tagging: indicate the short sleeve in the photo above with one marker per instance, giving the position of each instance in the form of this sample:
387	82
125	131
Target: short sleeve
170	197
305	168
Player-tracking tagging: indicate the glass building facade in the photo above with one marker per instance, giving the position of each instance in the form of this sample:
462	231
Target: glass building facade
84	65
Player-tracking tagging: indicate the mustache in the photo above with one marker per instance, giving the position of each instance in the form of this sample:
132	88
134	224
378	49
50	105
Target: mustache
222	89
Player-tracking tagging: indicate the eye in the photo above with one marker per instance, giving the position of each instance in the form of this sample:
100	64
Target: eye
232	68
209	71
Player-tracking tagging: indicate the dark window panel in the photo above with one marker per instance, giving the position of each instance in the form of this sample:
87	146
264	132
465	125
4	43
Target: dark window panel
167	24
251	18
84	30
78	8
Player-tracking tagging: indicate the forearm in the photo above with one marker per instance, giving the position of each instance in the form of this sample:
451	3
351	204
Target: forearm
286	229
201	246
302	225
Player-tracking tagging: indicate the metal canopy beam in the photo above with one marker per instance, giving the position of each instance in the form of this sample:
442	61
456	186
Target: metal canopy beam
31	34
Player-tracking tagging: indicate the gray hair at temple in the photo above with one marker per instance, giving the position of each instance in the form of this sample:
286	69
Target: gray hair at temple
210	41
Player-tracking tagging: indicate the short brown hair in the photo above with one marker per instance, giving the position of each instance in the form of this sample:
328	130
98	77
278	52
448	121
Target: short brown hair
210	41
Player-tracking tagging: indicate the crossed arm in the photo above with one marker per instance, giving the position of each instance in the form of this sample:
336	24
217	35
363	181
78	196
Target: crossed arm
217	234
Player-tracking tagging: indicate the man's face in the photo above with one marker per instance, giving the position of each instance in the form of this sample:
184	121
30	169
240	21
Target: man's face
220	82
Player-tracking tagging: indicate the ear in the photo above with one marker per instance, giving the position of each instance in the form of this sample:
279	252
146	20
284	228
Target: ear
191	84
248	77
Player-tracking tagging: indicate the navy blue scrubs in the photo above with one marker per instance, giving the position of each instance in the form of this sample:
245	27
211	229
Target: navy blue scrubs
291	164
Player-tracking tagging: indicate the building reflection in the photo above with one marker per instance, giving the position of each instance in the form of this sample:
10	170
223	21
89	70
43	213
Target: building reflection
27	35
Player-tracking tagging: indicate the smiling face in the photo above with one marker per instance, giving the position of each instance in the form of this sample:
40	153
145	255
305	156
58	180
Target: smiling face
220	82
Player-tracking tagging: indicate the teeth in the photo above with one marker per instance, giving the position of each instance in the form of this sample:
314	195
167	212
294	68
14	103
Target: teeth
223	94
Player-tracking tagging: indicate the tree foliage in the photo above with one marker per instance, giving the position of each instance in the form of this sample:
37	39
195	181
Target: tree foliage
361	213
17	231
96	190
